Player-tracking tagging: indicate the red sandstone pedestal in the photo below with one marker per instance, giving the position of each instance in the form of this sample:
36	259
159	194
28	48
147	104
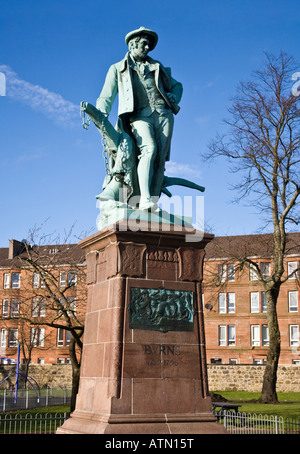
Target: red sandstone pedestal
144	364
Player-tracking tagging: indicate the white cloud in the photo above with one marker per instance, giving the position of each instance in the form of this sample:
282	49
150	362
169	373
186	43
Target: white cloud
175	169
38	98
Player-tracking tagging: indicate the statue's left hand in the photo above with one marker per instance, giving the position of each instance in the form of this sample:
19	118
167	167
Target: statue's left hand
172	98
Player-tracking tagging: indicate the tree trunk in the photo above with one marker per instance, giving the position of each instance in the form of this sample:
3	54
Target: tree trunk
75	385
75	372
268	393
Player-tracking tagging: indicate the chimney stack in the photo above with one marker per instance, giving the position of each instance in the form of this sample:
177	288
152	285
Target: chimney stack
15	248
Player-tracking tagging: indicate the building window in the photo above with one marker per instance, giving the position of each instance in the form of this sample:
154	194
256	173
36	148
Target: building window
253	273
294	335
63	337
265	335
231	303
233	361
222	303
222	336
230	272
257	361
216	361
13	337
14	308
37	337
60	337
265	269
3	338
254	302
293	301
68	337
41	361
36	280
231	335
6	280
296	361
226	303
258	302
5	305
226	272
15	280
38	308
255	335
263	302
72	278
62	279
222	273
71	305
292	267
226	335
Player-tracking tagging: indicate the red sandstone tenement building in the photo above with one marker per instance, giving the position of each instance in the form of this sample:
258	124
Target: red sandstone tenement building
234	306
234	301
25	296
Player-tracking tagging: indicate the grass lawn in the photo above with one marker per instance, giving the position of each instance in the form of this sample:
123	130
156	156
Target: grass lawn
288	406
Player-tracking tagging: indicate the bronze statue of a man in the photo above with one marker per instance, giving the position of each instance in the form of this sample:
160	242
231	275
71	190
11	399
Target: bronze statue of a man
148	98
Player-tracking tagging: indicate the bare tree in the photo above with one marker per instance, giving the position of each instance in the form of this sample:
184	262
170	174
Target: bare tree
56	294
263	145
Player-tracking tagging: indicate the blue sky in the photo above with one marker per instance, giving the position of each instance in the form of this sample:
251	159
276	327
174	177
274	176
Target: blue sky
56	53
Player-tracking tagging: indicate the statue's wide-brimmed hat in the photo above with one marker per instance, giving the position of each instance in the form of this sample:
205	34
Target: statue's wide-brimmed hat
153	38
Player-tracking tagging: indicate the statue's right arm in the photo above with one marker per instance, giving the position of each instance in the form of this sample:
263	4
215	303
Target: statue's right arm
109	91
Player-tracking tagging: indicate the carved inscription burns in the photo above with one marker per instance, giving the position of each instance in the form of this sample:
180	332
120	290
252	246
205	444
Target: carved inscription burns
161	354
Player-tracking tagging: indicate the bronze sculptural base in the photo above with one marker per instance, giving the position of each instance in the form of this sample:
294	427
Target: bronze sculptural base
140	374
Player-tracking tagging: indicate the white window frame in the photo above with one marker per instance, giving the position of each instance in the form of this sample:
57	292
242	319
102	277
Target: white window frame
257	361
231	303
42	308
292	267
13	337
265	335
231	335
38	308
33	336
263	301
68	337
41	337
230	272
233	361
293	302
15	283
3	338
72	278
222	273
254	302
60	337
255	335
252	273
222	303
294	335
36	280
6	280
62	278
265	269
14	308
5	307
226	303
222	335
